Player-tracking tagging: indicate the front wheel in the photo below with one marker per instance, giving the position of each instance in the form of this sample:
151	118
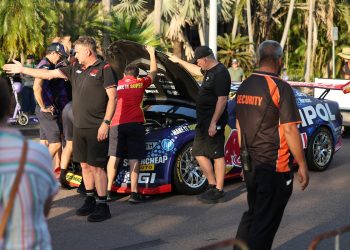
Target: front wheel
320	150
23	119
188	176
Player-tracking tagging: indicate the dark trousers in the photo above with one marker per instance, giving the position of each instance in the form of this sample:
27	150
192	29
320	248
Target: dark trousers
268	193
28	101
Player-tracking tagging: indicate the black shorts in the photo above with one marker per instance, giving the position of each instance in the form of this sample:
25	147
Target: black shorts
127	141
87	149
49	126
205	145
67	122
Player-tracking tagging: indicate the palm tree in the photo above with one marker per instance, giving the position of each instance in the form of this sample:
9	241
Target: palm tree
25	26
80	17
237	15
106	5
235	48
157	16
128	28
309	41
287	25
133	8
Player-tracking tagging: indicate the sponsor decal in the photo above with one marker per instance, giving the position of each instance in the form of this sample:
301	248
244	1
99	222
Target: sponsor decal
232	158
180	130
167	144
304	139
73	178
144	178
148	167
93	72
310	113
151	145
302	101
154	160
151	91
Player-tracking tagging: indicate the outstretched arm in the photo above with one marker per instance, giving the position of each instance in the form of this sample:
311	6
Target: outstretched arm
190	67
153	67
17	67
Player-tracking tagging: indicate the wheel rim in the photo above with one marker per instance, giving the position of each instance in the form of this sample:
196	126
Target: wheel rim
23	119
190	171
322	149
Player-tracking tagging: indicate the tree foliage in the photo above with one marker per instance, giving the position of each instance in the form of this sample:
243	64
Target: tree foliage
25	26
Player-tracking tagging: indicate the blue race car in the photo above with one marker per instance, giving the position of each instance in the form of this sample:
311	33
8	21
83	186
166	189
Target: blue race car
170	118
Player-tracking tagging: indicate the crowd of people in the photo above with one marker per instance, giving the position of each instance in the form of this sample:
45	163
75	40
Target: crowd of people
100	130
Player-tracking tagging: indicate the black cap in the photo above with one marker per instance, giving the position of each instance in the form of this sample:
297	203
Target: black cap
57	47
200	52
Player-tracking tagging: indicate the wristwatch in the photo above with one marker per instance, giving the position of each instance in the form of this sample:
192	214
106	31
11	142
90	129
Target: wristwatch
108	122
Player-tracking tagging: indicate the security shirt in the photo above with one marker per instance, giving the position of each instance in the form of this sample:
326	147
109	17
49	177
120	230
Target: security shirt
266	92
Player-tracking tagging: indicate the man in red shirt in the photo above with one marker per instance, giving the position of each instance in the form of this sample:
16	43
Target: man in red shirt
127	130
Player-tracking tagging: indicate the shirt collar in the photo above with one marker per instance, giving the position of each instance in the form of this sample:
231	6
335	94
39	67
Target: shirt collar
265	73
98	61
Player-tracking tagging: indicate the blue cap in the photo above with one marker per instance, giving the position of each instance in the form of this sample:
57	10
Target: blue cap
57	47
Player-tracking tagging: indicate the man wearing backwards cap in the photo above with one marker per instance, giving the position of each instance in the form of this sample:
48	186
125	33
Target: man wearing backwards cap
51	97
345	54
211	120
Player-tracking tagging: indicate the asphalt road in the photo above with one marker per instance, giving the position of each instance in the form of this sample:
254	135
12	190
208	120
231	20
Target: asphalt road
181	222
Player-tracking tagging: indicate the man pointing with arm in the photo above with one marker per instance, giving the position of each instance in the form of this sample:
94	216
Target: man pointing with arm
93	103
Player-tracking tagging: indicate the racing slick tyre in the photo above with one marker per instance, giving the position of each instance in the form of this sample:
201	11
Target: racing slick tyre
320	150
188	176
23	119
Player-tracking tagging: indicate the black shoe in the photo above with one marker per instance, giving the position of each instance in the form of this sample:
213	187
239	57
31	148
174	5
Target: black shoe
212	195
88	207
136	198
101	213
111	196
63	181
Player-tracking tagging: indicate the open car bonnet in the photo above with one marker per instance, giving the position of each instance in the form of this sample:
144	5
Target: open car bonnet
173	84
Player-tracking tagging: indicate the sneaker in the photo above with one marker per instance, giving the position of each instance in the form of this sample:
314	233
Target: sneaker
101	213
208	189
212	196
88	207
136	198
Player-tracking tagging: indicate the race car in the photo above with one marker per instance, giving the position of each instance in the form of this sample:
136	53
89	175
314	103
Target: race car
170	119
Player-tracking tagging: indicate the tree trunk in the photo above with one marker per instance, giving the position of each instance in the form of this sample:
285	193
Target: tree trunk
177	48
250	29
287	25
201	34
314	46
309	41
157	16
235	21
203	28
106	10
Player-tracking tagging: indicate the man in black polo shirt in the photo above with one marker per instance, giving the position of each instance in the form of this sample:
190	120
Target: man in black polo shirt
267	116
93	103
212	118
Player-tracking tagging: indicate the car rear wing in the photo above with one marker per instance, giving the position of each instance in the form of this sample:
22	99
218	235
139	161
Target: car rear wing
326	84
